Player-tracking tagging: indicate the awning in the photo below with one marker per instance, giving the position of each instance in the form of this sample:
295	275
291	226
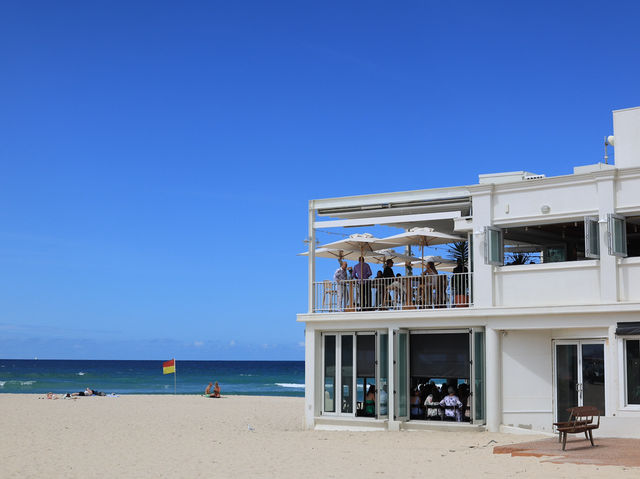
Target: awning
628	329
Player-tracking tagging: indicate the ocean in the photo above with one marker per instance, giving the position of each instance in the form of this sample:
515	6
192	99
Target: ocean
40	376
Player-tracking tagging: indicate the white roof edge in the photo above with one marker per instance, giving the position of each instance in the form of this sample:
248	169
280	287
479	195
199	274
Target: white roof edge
627	109
507	173
398	196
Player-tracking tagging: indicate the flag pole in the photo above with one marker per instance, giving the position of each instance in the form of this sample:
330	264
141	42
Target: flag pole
175	380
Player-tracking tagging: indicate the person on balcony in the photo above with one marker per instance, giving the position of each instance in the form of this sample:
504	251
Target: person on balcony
362	271
388	276
438	284
340	277
378	283
460	284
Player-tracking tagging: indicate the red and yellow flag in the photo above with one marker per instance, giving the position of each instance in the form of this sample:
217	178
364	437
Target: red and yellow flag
169	367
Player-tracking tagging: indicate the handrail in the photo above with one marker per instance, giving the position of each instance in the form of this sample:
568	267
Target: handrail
448	290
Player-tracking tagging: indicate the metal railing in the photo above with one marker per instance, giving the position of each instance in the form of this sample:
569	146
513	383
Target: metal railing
449	290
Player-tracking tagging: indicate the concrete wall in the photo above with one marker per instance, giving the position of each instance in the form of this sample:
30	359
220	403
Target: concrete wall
527	379
629	279
573	199
566	283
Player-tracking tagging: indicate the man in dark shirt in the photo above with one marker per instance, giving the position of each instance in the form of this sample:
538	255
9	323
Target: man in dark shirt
387	273
362	271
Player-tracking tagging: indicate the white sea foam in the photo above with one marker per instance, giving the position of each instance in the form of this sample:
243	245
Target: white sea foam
26	383
81	373
290	385
2	383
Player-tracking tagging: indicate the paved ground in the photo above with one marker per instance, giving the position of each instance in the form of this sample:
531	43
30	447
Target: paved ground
606	452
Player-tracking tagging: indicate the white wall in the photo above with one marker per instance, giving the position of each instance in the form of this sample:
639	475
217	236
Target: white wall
626	129
513	204
566	283
629	279
627	192
527	375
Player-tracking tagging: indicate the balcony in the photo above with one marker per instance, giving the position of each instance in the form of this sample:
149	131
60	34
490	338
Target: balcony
449	290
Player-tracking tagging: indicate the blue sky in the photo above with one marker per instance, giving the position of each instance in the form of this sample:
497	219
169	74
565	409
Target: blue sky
156	158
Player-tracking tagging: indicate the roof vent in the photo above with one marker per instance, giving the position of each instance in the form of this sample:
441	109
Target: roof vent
508	177
534	177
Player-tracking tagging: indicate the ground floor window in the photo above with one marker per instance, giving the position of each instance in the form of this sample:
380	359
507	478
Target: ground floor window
357	362
440	376
632	370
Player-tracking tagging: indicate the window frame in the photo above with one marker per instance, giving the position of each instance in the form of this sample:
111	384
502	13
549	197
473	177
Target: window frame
591	243
623	356
611	220
488	232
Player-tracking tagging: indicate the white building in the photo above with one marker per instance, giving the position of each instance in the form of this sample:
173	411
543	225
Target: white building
532	339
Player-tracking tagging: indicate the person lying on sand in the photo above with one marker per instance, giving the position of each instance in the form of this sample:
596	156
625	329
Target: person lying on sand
86	392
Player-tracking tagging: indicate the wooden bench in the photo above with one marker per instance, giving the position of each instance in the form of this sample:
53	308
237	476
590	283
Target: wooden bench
581	419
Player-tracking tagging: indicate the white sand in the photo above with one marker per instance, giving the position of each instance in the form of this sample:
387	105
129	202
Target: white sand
192	436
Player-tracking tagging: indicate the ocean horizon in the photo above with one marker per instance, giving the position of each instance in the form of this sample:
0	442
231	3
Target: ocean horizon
255	378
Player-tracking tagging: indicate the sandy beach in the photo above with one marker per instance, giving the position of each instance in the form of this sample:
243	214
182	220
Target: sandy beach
238	436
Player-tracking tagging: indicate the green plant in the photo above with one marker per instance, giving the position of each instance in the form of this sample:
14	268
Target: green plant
519	258
459	251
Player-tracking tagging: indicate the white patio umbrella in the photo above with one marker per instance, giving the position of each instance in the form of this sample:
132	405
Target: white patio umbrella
363	242
421	237
334	253
378	257
443	264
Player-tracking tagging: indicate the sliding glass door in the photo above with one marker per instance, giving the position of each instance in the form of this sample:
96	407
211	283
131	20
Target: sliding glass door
329	373
579	376
355	374
401	375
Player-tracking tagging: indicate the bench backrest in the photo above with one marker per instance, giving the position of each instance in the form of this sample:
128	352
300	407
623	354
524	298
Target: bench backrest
584	414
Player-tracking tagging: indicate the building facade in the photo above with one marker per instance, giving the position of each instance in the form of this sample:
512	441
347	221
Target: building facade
556	328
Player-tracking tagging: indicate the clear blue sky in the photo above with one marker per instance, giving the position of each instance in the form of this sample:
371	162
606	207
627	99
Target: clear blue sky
156	158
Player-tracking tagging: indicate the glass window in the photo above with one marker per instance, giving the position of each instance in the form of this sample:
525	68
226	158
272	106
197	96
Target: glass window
617	235
346	373
591	237
632	353
329	373
478	362
366	374
402	380
494	246
383	386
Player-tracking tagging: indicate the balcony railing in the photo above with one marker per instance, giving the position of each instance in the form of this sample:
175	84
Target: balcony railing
450	290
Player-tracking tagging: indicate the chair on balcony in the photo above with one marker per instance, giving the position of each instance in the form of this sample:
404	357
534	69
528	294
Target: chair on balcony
329	289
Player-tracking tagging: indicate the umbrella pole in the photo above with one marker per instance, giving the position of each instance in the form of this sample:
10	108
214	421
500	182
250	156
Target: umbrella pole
422	276
360	278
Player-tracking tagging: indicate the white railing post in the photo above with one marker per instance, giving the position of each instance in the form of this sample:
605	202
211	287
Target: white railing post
312	257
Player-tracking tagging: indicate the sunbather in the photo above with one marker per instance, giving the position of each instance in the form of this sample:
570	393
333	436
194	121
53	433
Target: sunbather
216	390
